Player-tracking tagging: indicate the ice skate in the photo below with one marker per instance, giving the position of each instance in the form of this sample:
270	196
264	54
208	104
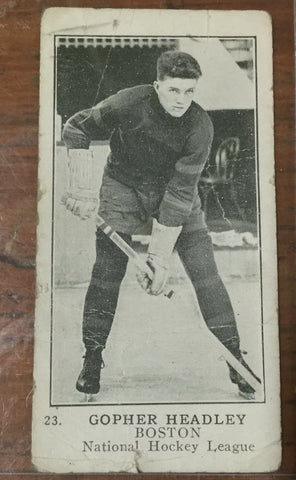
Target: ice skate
90	398
89	379
244	389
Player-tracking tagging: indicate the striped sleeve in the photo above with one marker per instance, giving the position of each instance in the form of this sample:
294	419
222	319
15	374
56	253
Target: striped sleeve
95	123
181	190
98	122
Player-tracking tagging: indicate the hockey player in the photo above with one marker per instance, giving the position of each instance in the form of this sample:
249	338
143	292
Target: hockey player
160	140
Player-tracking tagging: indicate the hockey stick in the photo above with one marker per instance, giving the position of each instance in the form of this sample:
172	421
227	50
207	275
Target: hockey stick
127	249
250	378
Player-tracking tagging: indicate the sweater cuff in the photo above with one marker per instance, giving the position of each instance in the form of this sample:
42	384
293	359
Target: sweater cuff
171	218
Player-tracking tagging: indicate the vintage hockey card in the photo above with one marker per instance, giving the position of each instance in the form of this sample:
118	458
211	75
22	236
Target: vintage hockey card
156	345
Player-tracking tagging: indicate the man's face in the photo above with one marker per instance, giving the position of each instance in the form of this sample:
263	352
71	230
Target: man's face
175	94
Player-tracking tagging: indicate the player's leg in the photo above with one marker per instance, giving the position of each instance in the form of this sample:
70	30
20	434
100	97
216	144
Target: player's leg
196	253
119	207
100	306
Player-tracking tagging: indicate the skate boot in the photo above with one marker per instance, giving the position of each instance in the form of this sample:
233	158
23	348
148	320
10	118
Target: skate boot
244	389
89	379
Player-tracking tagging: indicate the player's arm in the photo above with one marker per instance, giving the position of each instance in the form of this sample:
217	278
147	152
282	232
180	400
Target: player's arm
96	123
182	189
176	206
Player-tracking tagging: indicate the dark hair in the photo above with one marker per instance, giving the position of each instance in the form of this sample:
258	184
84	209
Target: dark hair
177	64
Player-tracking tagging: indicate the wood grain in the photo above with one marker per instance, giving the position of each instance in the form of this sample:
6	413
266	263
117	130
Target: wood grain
19	70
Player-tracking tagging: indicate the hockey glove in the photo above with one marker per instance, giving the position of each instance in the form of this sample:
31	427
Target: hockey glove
161	246
82	193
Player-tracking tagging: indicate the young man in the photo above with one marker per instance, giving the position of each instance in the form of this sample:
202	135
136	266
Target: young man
160	140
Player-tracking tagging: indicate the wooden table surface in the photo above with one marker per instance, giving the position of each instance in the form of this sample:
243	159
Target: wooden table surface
19	89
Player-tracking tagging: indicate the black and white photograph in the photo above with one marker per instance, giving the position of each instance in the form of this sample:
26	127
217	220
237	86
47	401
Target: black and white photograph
169	162
157	213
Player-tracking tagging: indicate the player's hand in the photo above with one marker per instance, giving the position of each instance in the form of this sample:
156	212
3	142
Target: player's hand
160	274
81	208
161	245
155	285
143	280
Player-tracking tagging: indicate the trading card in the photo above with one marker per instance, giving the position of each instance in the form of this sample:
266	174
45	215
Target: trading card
156	336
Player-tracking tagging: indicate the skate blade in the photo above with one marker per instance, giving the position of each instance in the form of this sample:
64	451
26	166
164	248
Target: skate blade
89	397
246	395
